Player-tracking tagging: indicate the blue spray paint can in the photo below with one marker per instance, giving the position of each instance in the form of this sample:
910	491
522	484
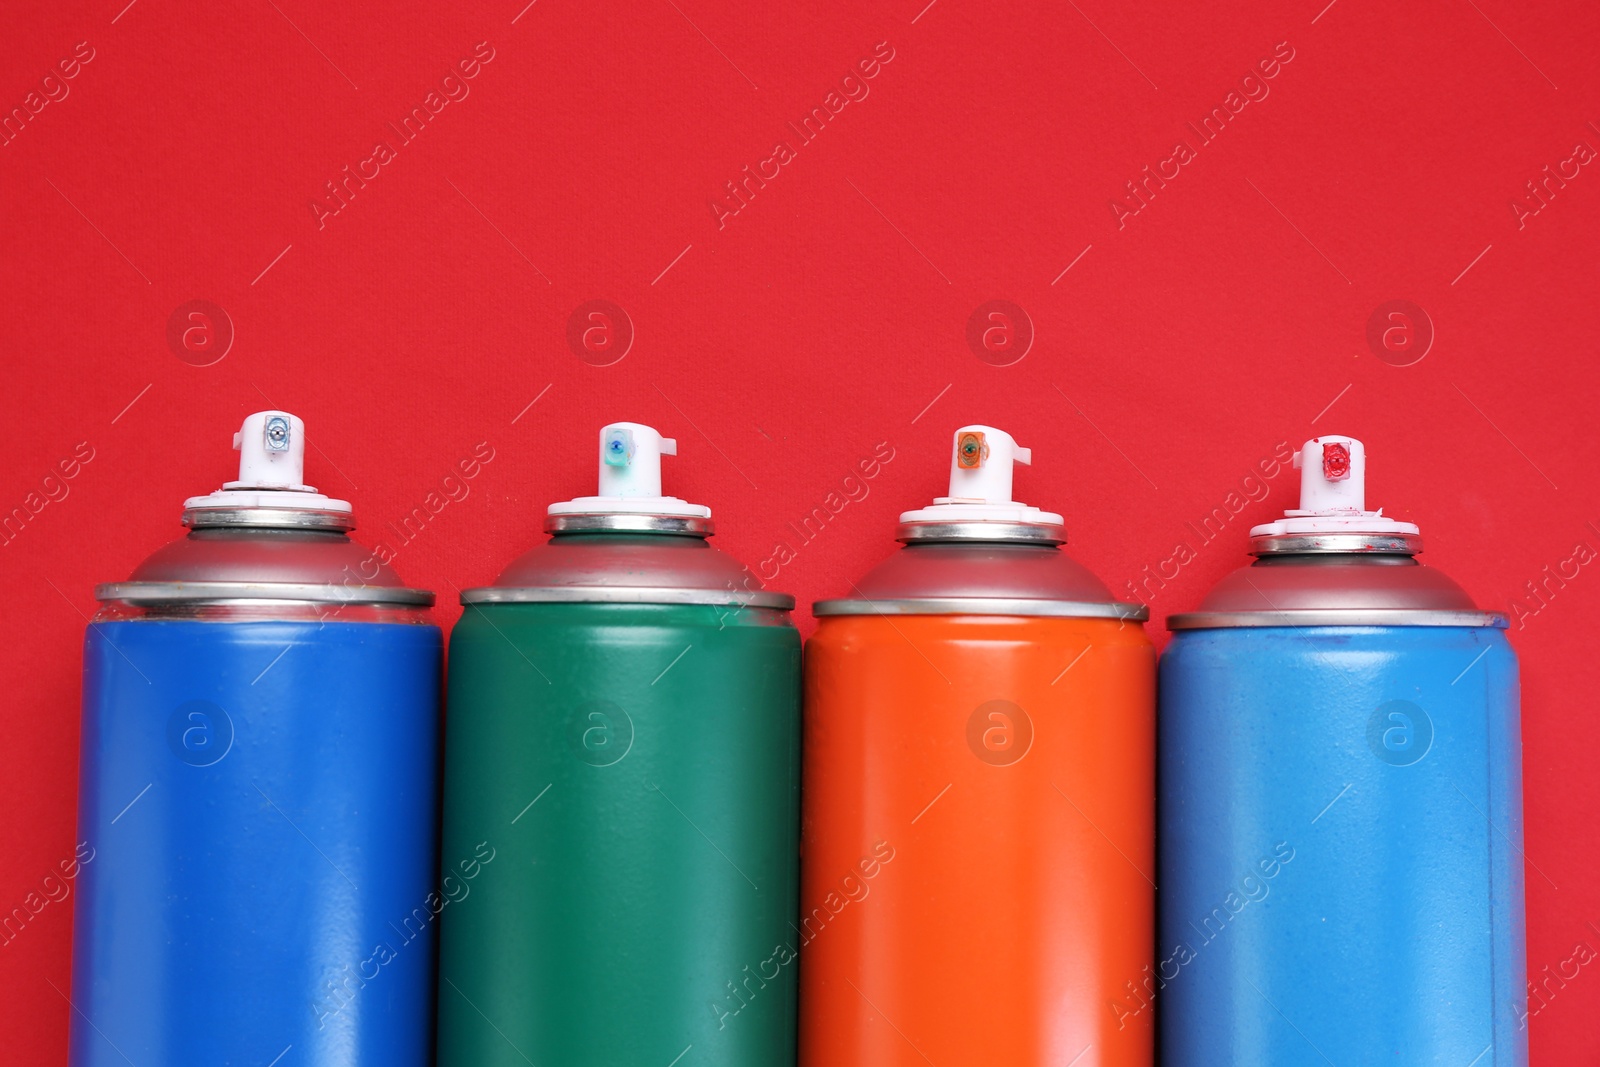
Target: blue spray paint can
1340	804
258	781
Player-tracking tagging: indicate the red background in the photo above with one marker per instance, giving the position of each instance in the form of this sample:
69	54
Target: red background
827	315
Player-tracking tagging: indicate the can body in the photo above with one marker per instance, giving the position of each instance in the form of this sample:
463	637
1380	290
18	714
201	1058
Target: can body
633	769
978	841
1341	847
260	798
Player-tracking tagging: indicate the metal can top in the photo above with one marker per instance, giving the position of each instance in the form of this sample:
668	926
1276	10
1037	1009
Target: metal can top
622	566
977	551
980	504
216	565
1332	562
1322	588
981	578
629	543
266	544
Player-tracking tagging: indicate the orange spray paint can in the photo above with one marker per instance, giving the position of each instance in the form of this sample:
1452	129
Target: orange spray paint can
978	836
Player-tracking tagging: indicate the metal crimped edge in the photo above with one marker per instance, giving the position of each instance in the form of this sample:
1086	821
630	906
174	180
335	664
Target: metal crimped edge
1079	609
271	518
1355	543
218	592
626	594
1216	620
1031	533
628	522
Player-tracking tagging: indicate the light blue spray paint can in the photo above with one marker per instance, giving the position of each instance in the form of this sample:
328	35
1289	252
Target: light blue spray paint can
1340	804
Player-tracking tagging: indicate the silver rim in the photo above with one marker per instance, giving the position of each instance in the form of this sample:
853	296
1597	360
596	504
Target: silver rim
1033	533
290	518
1380	544
625	594
224	592
1075	609
1217	620
683	525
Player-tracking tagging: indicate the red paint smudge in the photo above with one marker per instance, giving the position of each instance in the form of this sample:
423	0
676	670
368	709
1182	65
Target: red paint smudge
1335	462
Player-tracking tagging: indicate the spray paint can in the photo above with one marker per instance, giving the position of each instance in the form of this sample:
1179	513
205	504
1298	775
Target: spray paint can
623	733
258	784
979	796
1341	805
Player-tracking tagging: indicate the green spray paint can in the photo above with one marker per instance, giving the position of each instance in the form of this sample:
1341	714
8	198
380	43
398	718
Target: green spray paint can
623	742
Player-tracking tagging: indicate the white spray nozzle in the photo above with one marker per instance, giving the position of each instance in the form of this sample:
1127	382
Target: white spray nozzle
272	453
1333	493
630	460
1333	476
630	476
272	456
981	465
981	468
